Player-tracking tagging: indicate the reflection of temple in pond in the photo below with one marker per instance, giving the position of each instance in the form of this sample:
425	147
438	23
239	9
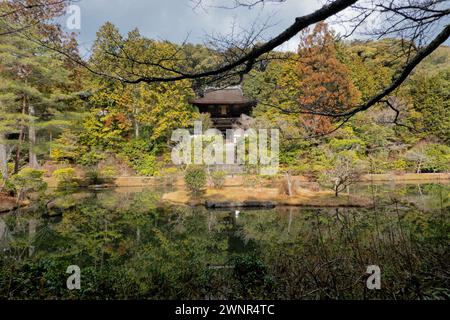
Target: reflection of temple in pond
238	240
224	255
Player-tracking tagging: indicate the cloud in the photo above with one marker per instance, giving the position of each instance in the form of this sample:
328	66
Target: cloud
174	20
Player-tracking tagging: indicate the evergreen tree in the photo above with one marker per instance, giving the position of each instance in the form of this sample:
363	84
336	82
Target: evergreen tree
34	89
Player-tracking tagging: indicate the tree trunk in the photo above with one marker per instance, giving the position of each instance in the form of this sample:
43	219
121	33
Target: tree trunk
3	229
21	131
138	235
136	122
31	235
3	158
136	129
290	220
336	187
32	139
289	184
50	138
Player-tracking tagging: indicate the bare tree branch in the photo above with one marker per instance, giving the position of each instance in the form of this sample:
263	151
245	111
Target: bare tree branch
412	20
396	81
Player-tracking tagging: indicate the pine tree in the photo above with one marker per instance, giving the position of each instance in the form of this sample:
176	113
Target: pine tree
33	89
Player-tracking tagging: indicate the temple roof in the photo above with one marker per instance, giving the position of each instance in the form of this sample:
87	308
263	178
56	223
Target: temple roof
231	95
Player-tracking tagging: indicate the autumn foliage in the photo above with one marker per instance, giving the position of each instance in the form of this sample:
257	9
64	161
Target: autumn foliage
325	83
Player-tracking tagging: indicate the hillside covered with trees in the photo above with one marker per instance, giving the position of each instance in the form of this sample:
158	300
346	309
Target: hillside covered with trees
56	111
88	183
58	114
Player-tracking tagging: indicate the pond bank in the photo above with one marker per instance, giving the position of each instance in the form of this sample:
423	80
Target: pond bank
235	181
265	197
8	203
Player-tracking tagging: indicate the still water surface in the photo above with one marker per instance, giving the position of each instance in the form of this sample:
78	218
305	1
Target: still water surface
130	246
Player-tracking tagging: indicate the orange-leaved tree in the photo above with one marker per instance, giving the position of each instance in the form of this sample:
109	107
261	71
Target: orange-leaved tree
325	82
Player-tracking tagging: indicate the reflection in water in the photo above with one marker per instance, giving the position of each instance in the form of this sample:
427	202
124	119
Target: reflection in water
32	223
2	229
130	247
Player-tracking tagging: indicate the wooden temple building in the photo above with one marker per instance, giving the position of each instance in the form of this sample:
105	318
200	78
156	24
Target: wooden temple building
225	106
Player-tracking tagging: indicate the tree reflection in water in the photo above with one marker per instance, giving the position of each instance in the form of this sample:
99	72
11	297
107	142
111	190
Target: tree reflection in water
130	247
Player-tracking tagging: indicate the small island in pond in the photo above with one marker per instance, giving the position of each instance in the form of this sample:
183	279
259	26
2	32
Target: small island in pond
265	197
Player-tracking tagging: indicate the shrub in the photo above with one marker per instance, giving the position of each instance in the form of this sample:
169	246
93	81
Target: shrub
94	177
195	179
439	158
399	165
252	181
66	147
102	176
108	173
66	179
344	173
146	165
140	155
286	185
430	157
91	158
218	179
167	175
28	180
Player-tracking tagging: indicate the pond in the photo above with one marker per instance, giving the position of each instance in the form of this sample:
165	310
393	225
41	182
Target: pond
130	246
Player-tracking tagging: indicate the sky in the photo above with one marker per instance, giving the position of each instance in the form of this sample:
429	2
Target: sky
174	20
178	20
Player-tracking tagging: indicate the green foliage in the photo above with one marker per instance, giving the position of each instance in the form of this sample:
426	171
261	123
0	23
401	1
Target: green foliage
398	165
93	176
66	147
104	130
64	174
430	99
429	157
108	172
152	110
218	179
371	64
92	157
173	252
140	155
146	165
66	179
135	121
97	176
27	181
35	87
251	272
347	144
195	179
438	158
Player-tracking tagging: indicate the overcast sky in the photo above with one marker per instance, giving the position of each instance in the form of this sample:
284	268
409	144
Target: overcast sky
174	20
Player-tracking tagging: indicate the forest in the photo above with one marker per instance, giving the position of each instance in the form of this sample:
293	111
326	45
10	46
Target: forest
57	114
87	178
